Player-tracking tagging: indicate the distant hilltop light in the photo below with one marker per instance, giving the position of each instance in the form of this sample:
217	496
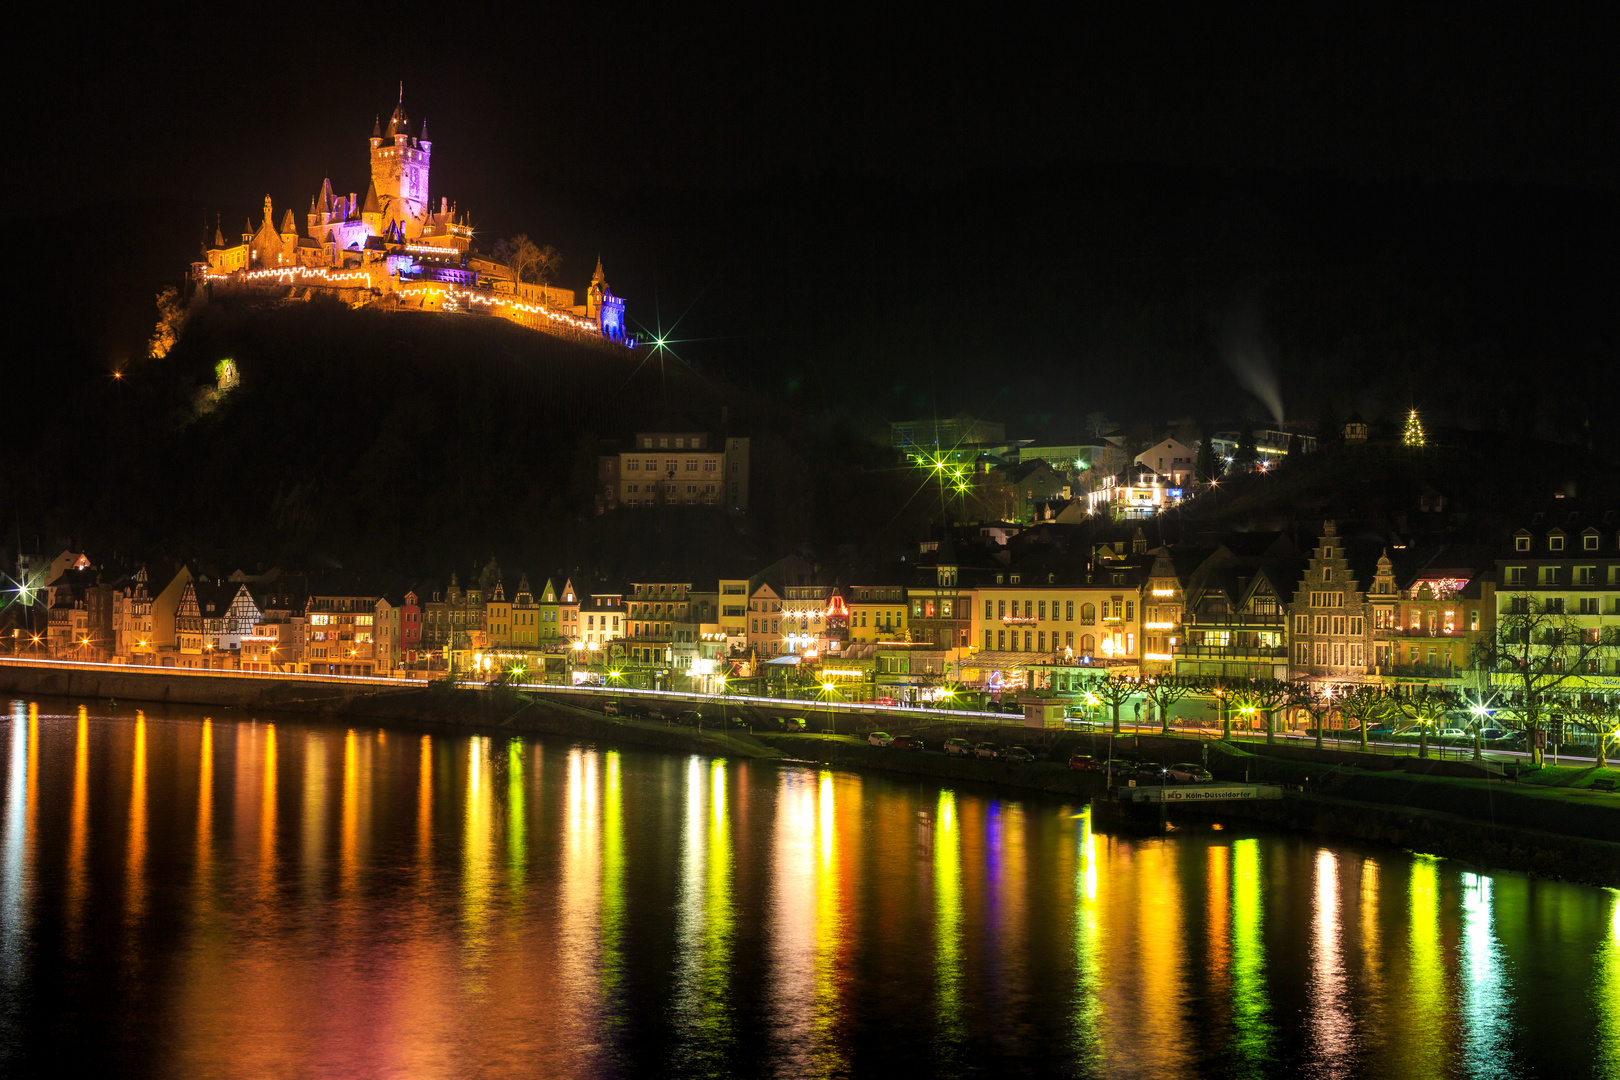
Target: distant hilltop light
392	248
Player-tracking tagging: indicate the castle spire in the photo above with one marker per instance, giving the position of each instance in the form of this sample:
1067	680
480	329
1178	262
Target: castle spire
376	127
422	135
219	236
599	276
399	123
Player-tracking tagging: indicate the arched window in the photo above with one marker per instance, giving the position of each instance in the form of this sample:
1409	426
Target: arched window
1088	644
1088	615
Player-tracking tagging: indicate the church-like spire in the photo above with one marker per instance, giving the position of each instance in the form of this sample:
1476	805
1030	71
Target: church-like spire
376	127
599	278
422	135
219	235
323	205
399	123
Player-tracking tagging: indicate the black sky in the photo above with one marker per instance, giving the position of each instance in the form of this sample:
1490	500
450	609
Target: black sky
881	205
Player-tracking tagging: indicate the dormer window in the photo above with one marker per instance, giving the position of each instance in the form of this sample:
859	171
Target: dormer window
1016	578
1555	543
1521	543
1590	541
999	579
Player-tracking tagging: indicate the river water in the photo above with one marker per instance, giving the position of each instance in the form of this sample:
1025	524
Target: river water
183	896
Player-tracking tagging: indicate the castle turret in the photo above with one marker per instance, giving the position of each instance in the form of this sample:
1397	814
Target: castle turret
399	172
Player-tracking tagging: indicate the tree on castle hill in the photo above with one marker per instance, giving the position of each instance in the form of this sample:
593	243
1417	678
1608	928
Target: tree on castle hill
1208	465
1536	656
527	261
172	313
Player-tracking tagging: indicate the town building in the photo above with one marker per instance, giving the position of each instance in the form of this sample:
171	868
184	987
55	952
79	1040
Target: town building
342	637
676	468
1332	632
1136	493
1172	459
877	613
1566	562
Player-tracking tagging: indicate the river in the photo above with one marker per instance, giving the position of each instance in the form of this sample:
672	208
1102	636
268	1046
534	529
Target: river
185	896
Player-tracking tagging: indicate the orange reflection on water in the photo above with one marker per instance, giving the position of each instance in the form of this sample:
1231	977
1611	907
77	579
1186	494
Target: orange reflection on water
477	870
205	806
356	814
312	841
78	876
424	804
267	816
135	851
805	1010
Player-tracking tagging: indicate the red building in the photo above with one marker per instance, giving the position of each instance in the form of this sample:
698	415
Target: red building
410	627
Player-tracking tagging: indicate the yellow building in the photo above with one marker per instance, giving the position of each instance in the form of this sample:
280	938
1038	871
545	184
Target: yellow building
497	619
877	613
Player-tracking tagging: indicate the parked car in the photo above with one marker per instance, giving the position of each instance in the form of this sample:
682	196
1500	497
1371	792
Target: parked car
1187	773
958	747
1084	763
1491	734
737	723
1451	733
907	742
611	708
636	710
880	738
1017	755
793	723
987	750
1146	772
690	717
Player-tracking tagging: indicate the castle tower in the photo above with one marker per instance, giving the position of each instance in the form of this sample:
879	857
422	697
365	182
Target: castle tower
399	173
596	293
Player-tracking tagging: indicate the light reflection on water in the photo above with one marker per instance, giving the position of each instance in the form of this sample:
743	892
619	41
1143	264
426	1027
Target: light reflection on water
444	905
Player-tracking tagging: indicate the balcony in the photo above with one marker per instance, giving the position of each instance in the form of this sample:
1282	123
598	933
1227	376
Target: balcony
1261	622
1420	671
1272	653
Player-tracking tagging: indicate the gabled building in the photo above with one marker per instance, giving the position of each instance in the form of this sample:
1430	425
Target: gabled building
1332	629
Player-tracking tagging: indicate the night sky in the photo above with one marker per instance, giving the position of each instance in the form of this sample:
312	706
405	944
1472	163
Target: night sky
864	213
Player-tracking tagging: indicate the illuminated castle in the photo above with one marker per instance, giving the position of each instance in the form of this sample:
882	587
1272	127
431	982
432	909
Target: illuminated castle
392	247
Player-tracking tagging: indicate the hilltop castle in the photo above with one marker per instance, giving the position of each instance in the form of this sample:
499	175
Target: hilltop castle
393	248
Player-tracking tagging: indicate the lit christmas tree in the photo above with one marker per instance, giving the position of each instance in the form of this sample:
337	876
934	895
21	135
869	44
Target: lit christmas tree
1413	435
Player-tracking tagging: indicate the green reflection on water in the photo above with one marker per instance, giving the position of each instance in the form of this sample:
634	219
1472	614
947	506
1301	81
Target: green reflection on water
948	920
1606	996
516	822
718	914
1426	980
1250	1004
1088	1009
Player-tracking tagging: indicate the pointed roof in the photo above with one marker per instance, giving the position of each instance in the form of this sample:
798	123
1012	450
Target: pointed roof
399	123
323	203
372	204
288	225
599	277
376	127
219	236
422	135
